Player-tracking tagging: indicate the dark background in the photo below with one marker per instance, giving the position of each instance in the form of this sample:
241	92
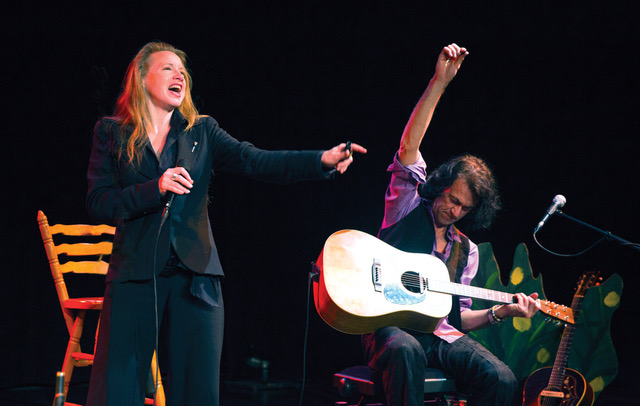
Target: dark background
548	95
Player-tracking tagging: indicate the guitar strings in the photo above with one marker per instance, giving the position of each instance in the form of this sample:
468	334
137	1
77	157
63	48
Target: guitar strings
414	282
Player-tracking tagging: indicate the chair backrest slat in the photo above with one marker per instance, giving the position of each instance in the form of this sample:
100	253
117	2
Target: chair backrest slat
80	230
85	267
82	249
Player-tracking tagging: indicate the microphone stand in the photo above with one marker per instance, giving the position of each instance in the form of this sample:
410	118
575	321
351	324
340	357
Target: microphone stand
607	234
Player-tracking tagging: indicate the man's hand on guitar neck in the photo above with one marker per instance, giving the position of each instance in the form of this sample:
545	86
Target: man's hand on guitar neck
526	306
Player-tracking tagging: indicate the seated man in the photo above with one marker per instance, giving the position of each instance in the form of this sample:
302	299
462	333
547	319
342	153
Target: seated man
420	213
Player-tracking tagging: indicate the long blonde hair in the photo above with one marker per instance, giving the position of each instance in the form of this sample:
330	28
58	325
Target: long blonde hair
131	108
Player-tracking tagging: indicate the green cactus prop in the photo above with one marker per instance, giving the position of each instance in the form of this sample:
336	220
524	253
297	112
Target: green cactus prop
528	344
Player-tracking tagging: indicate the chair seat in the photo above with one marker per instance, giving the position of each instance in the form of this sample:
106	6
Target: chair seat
84	303
367	381
82	358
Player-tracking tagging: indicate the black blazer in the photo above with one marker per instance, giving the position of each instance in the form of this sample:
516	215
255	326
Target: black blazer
127	195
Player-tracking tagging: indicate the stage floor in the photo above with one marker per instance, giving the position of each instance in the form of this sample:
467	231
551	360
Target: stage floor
233	394
241	393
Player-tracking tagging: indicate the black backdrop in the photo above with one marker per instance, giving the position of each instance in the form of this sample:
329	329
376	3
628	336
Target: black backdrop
547	96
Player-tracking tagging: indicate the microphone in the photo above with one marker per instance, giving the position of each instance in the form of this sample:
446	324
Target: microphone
558	202
348	148
165	213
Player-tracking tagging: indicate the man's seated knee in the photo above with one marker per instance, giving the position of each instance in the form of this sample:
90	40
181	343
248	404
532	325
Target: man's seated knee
404	343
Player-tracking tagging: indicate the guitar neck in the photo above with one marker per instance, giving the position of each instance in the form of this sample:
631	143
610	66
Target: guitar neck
562	357
473	292
562	313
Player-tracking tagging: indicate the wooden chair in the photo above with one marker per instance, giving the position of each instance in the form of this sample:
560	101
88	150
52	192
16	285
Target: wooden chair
90	245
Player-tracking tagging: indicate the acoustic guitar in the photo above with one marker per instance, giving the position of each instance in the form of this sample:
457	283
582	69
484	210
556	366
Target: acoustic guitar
365	284
559	385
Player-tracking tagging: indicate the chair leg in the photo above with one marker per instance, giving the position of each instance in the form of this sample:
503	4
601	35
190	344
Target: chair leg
157	378
72	347
95	345
67	368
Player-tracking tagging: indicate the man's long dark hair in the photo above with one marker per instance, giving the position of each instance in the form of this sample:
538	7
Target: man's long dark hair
480	179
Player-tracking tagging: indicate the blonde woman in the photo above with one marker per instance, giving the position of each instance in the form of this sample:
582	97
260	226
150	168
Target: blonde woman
149	173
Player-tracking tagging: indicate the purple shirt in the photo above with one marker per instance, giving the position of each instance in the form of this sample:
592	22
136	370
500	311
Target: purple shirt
400	199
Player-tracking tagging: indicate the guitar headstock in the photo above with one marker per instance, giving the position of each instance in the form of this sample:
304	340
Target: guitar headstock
567	314
560	312
587	280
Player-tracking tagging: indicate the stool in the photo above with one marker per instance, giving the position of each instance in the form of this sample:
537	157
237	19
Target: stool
365	381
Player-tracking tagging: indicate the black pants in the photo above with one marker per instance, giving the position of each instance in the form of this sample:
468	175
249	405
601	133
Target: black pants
401	358
126	342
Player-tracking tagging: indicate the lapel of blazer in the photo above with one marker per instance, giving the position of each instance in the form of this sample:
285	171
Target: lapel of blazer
147	167
186	157
186	142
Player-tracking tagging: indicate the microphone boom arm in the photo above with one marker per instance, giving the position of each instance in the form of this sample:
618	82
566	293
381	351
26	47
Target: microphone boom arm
607	234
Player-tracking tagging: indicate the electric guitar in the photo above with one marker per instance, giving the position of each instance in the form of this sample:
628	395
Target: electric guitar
559	385
365	284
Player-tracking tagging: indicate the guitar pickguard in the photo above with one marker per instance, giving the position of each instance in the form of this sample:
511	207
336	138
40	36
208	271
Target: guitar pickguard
397	294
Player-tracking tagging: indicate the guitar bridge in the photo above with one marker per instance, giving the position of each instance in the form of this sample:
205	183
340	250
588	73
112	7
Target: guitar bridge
376	271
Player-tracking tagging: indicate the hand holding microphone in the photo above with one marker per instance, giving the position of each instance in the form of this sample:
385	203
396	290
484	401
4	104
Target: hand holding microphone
558	202
175	181
341	156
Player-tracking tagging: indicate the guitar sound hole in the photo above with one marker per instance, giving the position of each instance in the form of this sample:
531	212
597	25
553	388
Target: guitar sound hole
412	282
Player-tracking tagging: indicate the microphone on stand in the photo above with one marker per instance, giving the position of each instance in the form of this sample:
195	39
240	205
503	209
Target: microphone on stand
558	202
